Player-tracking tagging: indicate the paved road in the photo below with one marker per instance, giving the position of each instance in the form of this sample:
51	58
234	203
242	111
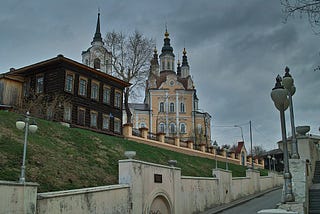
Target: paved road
267	201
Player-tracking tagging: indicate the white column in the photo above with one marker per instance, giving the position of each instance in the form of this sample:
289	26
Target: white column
177	113
166	112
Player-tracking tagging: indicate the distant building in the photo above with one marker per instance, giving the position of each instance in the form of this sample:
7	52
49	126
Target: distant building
171	103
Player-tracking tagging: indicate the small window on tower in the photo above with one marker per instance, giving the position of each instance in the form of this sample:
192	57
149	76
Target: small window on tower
97	63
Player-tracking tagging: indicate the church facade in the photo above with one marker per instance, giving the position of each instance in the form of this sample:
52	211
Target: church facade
171	103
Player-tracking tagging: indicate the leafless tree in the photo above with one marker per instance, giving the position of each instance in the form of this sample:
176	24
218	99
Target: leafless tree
131	55
308	8
258	150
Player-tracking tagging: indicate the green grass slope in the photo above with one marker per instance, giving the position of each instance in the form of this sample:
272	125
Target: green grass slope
60	158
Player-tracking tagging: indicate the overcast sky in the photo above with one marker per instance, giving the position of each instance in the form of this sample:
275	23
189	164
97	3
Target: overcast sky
235	50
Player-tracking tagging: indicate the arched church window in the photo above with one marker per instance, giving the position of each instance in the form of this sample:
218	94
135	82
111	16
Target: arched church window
182	128
171	107
161	107
172	128
161	128
97	63
168	65
182	108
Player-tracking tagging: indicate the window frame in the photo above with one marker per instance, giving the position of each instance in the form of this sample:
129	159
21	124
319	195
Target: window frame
172	128
117	125
67	115
104	118
39	84
81	109
95	93
67	85
182	107
93	120
81	92
171	107
117	99
106	99
183	128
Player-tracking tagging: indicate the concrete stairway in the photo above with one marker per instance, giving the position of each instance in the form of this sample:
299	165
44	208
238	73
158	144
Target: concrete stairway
314	191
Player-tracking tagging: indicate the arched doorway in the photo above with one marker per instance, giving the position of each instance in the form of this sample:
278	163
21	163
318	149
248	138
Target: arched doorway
160	205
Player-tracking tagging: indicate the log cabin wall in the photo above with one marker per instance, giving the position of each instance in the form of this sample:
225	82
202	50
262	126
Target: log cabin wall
54	72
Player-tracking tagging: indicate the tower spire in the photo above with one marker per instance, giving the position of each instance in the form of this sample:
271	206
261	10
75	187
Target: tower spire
97	36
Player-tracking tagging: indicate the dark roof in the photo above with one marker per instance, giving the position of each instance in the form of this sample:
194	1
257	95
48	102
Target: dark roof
272	152
139	106
240	146
60	58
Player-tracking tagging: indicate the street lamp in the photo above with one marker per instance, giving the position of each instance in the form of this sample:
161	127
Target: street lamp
281	102
269	157
287	83
27	126
215	147
241	131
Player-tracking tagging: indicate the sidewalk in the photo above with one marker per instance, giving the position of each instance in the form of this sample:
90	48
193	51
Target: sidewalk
223	207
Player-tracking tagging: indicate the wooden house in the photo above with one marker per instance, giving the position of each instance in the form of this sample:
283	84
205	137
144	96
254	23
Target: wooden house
62	89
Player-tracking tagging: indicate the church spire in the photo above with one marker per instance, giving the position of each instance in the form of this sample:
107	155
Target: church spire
166	56
185	58
97	36
185	72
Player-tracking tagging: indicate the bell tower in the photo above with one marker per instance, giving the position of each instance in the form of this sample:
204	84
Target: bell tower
97	56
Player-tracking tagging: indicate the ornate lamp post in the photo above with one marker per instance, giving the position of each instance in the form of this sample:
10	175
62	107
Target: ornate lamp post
281	102
287	83
27	126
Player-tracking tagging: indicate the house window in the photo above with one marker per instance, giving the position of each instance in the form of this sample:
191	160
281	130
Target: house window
182	108
117	125
161	127
93	119
69	83
117	100
172	128
83	87
81	116
96	63
39	84
94	90
182	128
67	113
161	107
106	95
106	122
171	107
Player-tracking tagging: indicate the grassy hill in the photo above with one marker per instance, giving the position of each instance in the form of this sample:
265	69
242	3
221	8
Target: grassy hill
60	158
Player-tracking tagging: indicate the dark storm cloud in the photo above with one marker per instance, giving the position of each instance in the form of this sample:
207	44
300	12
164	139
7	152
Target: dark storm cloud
235	50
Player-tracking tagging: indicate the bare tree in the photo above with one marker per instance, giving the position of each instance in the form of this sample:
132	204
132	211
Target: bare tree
131	55
308	8
258	150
